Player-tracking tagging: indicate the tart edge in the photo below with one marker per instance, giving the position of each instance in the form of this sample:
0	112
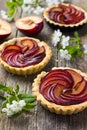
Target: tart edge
30	69
52	107
45	14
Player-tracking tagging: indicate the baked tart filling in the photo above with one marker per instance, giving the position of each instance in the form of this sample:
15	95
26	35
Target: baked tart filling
21	53
62	90
65	15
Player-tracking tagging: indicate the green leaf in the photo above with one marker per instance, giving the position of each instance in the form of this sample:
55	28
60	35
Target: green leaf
74	50
76	34
37	2
11	12
76	39
28	107
28	98
17	89
2	99
6	89
59	47
12	8
14	0
11	98
20	2
79	53
4	103
11	4
8	4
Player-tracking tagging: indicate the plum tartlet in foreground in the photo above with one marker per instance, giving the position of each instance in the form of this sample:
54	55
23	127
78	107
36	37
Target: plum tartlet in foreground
62	90
66	15
24	55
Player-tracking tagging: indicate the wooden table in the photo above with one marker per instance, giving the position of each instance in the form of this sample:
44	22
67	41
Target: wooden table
39	118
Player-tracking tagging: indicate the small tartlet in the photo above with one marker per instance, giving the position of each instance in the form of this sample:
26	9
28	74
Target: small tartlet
78	9
24	52
52	106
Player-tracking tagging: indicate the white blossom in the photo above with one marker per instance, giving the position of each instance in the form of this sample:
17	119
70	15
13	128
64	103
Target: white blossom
32	10
5	16
14	108
4	110
65	41
14	103
8	105
38	10
25	8
56	37
29	1
28	9
64	54
9	113
85	48
53	2
22	103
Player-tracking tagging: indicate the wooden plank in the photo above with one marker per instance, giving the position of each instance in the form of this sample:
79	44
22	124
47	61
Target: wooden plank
39	118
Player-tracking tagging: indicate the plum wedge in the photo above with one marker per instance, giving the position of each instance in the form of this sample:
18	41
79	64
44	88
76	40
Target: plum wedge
64	87
31	25
5	29
24	55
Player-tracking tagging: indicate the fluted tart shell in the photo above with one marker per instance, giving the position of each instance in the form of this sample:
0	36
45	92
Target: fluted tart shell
25	70
52	106
48	9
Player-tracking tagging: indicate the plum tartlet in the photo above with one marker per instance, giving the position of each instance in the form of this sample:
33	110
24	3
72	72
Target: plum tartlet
24	55
62	90
66	15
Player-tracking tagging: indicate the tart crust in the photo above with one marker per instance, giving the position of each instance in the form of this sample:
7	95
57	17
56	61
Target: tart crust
52	107
46	16
28	69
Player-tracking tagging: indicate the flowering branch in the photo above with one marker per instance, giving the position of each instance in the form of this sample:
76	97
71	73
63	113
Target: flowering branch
68	48
29	6
12	6
32	7
53	2
14	102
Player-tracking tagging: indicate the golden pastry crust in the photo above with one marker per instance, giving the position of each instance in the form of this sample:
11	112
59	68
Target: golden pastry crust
29	69
46	16
52	107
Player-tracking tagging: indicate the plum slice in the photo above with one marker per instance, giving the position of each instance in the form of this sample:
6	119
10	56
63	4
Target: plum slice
77	97
60	73
76	76
12	47
52	80
57	76
31	25
5	29
67	14
23	53
64	87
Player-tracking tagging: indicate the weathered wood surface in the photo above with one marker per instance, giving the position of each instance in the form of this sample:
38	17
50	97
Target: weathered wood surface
39	118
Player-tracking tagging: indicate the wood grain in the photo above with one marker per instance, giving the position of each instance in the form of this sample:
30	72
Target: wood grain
39	118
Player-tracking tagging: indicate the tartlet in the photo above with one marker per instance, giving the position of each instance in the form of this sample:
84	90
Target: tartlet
24	55
65	15
63	90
